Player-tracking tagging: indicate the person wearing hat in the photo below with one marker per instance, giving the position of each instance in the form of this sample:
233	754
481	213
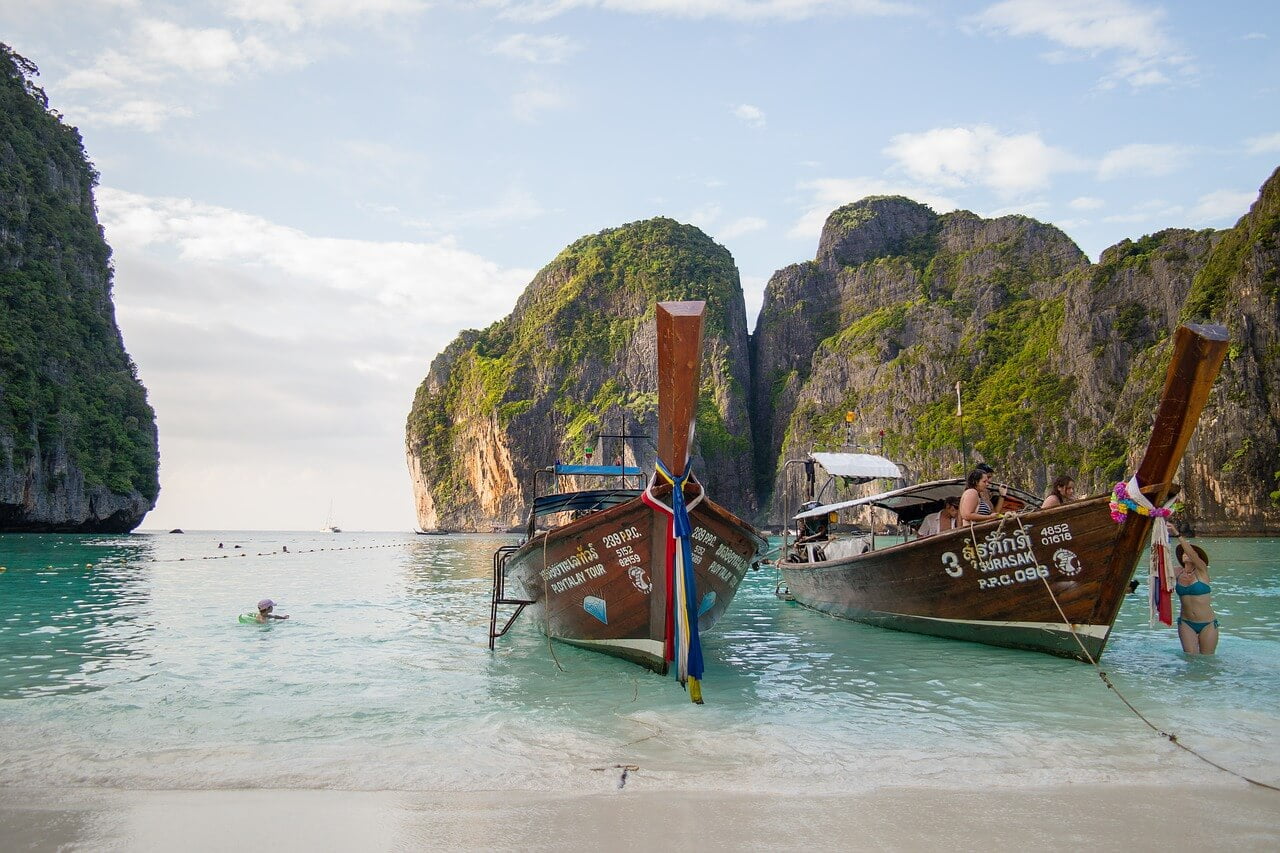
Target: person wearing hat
265	608
1197	624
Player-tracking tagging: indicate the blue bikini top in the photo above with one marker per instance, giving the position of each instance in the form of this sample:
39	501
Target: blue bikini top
1197	588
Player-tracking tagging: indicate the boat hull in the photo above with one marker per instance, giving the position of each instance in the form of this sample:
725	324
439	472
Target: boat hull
1051	581
600	582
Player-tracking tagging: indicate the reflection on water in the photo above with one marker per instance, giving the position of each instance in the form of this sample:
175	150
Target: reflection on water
139	673
74	612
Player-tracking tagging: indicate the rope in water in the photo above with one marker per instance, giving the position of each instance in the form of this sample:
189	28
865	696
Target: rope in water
1106	679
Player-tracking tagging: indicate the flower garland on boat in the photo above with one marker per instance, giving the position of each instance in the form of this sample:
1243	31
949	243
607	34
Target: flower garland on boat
1122	504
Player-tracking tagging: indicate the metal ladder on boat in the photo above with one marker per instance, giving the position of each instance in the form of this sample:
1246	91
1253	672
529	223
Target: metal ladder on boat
500	558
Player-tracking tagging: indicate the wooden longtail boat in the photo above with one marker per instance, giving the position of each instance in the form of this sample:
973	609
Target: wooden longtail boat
1047	580
610	578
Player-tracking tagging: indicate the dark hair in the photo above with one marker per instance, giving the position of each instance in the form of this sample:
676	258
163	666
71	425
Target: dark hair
952	501
975	477
1060	484
1203	556
982	466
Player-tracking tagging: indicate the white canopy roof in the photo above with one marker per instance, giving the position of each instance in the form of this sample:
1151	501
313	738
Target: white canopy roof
863	466
911	502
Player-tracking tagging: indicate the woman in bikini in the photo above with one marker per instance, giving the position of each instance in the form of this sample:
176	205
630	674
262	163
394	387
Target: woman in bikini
1197	626
976	504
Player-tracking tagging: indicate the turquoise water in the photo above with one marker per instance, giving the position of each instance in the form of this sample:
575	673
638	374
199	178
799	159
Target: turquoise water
135	673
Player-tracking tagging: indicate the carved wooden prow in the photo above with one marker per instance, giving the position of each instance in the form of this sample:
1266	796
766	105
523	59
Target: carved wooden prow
1197	356
679	378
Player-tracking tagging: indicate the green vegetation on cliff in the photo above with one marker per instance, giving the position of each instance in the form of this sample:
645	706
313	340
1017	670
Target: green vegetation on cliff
550	371
64	373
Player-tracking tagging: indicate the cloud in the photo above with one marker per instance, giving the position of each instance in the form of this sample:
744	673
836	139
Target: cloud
1222	206
295	14
140	114
1086	202
1143	159
539	50
955	157
1268	144
738	10
1133	36
826	194
752	116
260	343
529	104
738	227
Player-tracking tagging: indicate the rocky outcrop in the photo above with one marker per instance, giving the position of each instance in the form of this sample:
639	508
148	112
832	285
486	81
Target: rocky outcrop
574	365
1059	361
77	438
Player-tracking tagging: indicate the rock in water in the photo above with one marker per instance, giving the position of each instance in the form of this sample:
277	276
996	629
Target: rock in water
78	448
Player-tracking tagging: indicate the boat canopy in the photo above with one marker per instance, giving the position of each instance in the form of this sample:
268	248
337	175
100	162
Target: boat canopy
597	470
859	467
911	503
588	501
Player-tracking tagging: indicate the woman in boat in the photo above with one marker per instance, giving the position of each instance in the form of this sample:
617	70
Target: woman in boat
1063	491
1197	625
976	504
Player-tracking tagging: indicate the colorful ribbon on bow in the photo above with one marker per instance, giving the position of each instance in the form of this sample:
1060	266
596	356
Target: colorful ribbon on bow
1160	579
682	643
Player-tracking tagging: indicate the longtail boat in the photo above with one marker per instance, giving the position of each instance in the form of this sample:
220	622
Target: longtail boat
636	571
1048	580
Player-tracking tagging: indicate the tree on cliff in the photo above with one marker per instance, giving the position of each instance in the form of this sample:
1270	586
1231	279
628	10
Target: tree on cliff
77	436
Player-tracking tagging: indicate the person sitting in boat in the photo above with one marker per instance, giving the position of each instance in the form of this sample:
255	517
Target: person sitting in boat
947	518
1063	491
1197	624
976	504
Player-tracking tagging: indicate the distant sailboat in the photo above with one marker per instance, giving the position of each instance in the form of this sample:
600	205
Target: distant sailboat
329	526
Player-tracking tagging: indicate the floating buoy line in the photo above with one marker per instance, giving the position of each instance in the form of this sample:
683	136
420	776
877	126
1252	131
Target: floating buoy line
280	553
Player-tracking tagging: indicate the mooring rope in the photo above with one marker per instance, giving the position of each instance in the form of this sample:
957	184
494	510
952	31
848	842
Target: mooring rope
1106	679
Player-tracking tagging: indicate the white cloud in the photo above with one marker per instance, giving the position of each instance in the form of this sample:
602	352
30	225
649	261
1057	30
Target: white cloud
539	50
753	116
739	10
261	344
1086	202
829	193
954	157
1222	206
1143	159
295	14
739	227
1133	35
140	114
529	104
1268	144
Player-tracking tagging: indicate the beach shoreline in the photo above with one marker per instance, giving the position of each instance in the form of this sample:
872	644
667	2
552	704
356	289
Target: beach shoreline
1107	816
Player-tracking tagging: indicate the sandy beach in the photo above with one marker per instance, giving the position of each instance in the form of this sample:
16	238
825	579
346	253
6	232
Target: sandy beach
1108	817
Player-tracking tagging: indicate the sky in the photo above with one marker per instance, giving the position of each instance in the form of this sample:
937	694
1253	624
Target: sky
308	199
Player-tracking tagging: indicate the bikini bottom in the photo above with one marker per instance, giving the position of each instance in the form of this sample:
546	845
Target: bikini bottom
1198	626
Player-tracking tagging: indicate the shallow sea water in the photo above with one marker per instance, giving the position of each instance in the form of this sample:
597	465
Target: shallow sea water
135	673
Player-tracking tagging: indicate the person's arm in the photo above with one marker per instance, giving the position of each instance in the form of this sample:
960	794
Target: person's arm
1187	550
274	616
1051	501
1004	491
969	507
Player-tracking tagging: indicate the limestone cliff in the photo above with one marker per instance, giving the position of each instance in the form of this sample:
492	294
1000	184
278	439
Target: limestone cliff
1059	361
572	362
77	437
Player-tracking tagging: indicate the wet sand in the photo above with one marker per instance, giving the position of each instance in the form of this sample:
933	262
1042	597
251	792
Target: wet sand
1104	817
